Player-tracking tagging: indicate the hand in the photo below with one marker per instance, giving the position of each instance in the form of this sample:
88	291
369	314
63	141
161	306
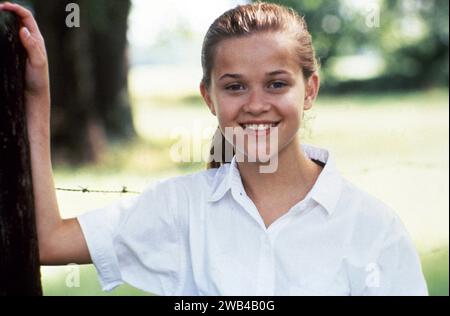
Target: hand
36	73
37	84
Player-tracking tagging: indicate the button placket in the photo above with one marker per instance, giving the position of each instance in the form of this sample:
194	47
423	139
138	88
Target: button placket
250	207
266	270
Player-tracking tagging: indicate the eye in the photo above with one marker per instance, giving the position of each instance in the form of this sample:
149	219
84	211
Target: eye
235	87
277	85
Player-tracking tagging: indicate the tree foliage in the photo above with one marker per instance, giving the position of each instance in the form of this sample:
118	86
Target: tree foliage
411	37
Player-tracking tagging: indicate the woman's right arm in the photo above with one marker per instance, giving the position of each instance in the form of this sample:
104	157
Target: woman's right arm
60	241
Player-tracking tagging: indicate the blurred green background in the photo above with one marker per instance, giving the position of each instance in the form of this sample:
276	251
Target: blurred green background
382	111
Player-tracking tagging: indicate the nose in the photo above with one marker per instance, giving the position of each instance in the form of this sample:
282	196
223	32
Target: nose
256	103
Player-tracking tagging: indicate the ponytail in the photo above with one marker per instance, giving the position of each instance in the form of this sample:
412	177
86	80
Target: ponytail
219	141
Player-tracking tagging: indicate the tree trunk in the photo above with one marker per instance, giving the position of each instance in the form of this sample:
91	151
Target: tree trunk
109	46
19	255
72	86
88	72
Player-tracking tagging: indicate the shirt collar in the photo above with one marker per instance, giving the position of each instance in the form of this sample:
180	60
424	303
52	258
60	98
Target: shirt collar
326	191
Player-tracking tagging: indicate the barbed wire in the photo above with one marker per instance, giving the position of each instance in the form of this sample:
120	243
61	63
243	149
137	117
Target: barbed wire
86	190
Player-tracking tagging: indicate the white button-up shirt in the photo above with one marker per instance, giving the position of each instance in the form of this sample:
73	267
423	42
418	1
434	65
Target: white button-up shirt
202	235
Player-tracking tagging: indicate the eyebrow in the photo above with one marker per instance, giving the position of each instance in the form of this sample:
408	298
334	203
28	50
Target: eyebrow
269	74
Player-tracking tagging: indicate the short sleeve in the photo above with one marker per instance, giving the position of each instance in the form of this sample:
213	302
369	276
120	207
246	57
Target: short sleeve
397	269
137	241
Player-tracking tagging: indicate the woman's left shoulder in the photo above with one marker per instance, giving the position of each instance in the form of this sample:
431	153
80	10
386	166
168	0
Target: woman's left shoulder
371	224
364	207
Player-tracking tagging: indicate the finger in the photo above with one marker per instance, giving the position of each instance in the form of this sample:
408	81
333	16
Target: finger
25	15
35	54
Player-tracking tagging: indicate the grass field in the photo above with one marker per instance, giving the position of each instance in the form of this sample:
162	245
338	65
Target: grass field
395	146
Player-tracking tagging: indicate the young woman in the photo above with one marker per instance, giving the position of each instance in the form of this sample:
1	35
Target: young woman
301	229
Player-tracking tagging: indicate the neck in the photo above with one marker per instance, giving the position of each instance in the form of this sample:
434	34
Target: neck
295	170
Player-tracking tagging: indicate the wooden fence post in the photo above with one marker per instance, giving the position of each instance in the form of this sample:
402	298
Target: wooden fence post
19	255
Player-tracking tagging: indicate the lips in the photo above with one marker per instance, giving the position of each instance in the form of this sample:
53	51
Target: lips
253	126
262	129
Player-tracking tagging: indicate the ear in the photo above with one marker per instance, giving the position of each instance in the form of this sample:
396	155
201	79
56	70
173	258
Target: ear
311	90
205	94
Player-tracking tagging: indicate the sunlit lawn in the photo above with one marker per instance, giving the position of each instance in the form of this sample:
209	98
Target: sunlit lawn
394	146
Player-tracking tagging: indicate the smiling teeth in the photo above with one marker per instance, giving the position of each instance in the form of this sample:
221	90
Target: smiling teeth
259	127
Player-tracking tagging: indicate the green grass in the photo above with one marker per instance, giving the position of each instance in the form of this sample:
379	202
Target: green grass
395	146
60	281
435	267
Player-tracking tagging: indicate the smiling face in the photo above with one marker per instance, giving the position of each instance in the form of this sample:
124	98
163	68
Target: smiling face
257	83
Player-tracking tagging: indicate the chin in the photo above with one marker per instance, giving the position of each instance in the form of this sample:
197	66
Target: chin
260	155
